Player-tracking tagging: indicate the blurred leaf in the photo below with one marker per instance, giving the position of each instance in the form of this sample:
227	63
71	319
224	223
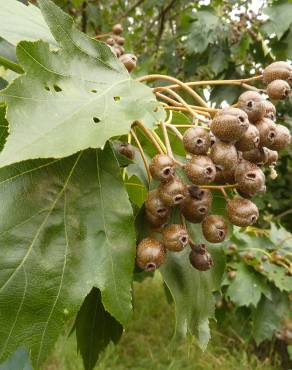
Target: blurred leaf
280	18
278	276
19	360
3	126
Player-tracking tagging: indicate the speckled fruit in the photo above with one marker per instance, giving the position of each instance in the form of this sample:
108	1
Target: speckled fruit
162	168
250	179
272	157
175	237
258	156
250	139
200	170
150	254
253	104
200	258
129	61
214	228
197	140
242	212
117	29
267	130
224	156
155	206
282	139
173	192
270	110
277	71
195	207
278	90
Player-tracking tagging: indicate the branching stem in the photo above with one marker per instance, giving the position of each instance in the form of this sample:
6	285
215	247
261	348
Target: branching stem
142	154
149	134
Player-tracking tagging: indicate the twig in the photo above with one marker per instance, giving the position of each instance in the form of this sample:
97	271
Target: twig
176	131
149	134
142	154
166	140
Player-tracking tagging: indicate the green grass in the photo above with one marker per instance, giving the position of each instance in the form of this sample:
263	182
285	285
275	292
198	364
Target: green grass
146	343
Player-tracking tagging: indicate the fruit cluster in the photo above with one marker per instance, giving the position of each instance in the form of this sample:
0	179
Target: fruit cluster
116	43
228	152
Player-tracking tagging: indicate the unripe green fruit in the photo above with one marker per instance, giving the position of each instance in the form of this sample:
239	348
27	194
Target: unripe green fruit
200	170
253	104
155	206
224	156
150	254
229	124
250	179
172	193
267	130
197	140
200	258
117	29
278	90
270	110
195	207
277	71
272	157
127	150
129	61
250	139
282	139
242	212
175	237
258	156
162	168
214	228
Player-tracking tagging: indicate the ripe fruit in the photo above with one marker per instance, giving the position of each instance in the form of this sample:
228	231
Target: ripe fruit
212	138
200	258
200	170
156	221
110	41
162	168
150	254
127	150
229	124
272	157
224	156
267	130
242	212
258	156
253	104
282	139
155	206
250	179
129	61
172	192
196	205
119	40
224	176
214	228
249	140
270	110
197	140
175	237
117	29
277	71
278	89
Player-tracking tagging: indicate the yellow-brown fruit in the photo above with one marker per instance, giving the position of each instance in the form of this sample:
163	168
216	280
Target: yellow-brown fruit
117	29
277	71
214	228
197	140
250	179
224	156
129	61
195	207
250	139
278	90
272	157
162	168
200	258
150	254
267	130
242	212
175	237
282	139
173	192
270	110
258	156
253	104
229	124
200	170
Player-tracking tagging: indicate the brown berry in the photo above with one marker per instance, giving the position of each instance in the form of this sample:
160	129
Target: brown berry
195	207
242	212
157	212
175	237
156	221
200	258
127	150
173	192
249	140
119	40
270	110
267	130
200	170
117	29
129	61
278	90
197	140
258	156
253	104
277	71
224	176
224	156
250	178
229	124
282	138
214	228
162	168
110	41
150	254
272	157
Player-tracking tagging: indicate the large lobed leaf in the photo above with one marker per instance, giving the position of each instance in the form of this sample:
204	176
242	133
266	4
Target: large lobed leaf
66	226
73	99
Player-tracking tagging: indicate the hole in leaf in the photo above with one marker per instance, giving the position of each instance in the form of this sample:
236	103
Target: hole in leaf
94	91
96	120
117	98
57	88
47	88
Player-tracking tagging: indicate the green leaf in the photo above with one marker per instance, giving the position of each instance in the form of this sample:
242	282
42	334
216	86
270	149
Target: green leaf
280	18
268	315
20	22
66	226
278	276
247	287
19	360
71	100
3	126
95	329
192	290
